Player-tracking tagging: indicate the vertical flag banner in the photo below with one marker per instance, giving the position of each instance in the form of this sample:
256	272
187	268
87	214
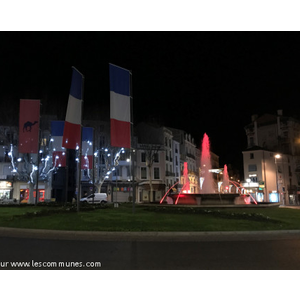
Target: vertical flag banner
29	123
87	148
119	107
59	152
72	129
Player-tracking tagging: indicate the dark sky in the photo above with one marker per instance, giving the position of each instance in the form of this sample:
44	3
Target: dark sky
197	81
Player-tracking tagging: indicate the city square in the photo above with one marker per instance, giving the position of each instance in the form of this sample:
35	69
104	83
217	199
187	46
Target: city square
180	151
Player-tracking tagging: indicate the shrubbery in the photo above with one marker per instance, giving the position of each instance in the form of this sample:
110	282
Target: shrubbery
219	213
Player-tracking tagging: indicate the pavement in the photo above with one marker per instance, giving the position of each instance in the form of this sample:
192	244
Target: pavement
149	236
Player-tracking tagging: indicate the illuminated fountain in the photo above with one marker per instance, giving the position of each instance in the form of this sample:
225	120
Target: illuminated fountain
225	180
207	182
186	185
244	198
208	195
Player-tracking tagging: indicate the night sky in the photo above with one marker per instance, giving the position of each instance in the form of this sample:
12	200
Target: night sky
196	81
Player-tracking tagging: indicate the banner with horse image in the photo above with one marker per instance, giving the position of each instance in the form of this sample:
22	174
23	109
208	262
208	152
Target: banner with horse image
29	123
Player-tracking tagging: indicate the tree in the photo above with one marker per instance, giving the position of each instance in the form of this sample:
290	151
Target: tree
108	160
32	167
151	151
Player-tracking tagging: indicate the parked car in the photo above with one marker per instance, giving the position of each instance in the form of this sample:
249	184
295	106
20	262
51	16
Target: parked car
95	198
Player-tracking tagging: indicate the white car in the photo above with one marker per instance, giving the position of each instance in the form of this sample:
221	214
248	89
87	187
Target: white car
95	198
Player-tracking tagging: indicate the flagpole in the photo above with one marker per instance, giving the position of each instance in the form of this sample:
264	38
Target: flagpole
80	151
93	165
37	171
67	176
132	150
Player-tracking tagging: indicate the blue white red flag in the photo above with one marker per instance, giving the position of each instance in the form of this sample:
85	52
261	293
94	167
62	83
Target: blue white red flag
119	107
59	152
87	148
72	129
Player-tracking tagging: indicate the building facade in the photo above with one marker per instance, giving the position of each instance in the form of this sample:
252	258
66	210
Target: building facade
272	160
151	168
190	154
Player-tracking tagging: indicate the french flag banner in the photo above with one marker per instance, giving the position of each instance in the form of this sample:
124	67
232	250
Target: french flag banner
119	107
59	152
72	129
87	148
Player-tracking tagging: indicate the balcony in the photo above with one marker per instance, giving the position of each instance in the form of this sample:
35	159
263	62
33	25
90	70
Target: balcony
190	155
292	189
170	174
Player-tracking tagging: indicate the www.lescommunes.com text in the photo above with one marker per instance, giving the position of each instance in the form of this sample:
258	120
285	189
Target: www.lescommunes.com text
49	264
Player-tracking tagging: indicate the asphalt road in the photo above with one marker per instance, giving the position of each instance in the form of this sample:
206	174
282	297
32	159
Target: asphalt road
56	250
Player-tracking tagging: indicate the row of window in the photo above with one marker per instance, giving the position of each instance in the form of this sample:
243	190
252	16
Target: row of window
144	173
125	170
156	158
156	172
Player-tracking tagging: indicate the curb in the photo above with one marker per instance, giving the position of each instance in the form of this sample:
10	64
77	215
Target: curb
148	236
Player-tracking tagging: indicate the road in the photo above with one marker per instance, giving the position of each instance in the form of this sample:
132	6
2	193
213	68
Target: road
46	249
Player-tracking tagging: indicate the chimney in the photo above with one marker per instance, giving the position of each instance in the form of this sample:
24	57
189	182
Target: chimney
254	117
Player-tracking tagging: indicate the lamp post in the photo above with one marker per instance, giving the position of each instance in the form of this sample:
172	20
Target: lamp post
277	156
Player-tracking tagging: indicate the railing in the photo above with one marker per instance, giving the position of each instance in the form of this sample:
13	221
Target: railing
168	173
190	155
291	188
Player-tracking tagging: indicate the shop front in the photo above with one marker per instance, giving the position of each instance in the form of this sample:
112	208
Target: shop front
120	192
22	192
158	191
6	190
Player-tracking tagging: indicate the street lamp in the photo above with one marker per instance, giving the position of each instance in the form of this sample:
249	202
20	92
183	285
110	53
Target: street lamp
277	156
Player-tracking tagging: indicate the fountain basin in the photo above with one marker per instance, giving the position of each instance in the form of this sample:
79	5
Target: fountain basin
205	199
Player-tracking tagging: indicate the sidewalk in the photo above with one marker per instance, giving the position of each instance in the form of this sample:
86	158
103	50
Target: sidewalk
290	206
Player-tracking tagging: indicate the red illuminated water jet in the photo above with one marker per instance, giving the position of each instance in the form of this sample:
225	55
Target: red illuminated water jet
186	185
207	183
238	186
162	199
225	179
